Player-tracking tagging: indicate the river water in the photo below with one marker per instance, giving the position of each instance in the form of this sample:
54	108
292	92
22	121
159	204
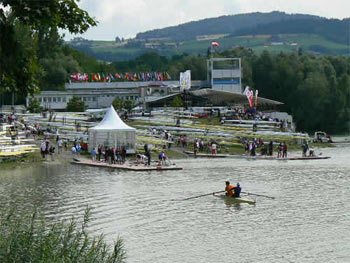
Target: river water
309	221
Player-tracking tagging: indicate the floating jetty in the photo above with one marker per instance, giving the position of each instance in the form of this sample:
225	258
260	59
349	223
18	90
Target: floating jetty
208	155
257	157
126	166
292	158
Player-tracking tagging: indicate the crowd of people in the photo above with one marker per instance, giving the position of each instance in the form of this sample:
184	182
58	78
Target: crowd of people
305	148
252	114
10	118
251	148
48	148
109	155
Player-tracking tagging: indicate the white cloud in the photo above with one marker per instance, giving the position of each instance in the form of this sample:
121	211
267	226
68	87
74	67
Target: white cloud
126	18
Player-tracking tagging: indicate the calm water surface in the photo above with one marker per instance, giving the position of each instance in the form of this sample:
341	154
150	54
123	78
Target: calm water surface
309	221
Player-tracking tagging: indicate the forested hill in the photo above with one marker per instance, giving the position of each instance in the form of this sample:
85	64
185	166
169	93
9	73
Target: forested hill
241	24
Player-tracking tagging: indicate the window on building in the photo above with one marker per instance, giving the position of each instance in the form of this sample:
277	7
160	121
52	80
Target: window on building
64	99
44	99
59	99
93	98
49	99
54	99
40	99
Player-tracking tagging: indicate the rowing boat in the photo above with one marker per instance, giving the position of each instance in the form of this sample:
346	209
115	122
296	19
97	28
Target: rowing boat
236	199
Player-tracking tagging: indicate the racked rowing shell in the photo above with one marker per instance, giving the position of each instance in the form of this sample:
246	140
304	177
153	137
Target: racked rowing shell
236	199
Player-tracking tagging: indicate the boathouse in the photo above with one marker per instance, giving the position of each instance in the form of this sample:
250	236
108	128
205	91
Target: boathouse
112	132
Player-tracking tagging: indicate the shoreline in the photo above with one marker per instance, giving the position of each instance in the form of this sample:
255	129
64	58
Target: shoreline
175	153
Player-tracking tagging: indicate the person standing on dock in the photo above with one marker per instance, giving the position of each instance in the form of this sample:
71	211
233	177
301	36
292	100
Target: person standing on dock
42	149
160	158
253	149
271	148
123	154
284	150
93	154
47	146
117	156
305	148
149	157
59	145
279	150
52	152
195	146
213	148
74	150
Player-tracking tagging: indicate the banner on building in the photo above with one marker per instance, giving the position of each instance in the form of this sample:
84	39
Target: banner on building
185	80
249	93
214	44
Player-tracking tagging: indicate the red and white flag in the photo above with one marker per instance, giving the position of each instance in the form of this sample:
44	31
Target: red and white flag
249	95
214	44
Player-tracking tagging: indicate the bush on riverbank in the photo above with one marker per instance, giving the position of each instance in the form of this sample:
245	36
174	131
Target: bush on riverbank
27	237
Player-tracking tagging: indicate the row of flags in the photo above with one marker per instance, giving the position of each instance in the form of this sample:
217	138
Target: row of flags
108	77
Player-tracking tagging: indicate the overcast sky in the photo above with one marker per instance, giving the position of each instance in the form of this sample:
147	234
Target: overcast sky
126	18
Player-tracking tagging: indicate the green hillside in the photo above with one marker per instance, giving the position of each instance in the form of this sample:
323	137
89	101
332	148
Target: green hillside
273	31
222	25
106	50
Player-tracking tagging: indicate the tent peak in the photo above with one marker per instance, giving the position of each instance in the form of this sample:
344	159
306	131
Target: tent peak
112	121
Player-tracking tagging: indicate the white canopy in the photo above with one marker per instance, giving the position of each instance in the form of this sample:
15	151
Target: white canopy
112	122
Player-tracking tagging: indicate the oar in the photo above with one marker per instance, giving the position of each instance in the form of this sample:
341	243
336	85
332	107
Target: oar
193	197
247	193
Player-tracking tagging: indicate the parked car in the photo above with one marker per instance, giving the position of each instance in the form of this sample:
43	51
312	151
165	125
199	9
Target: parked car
320	136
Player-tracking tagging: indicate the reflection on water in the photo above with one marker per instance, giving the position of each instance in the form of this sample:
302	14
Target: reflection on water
307	222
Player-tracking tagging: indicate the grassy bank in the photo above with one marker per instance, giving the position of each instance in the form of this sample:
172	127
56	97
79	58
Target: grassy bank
26	237
23	160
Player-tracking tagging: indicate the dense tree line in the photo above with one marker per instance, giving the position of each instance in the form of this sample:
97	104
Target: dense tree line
314	89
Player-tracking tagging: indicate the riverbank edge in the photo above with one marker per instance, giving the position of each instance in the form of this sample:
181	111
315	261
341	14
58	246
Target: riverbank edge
175	153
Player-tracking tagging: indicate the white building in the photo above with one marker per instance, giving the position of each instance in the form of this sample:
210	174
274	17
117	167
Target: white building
98	94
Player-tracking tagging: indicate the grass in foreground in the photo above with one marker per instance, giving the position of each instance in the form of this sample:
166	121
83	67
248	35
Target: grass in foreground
27	159
27	237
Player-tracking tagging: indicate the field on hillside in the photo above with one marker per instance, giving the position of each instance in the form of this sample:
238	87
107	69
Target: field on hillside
309	43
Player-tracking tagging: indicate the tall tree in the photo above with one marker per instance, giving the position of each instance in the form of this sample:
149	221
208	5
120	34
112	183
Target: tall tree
19	70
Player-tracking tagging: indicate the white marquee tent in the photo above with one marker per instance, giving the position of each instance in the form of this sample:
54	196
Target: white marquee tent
112	132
